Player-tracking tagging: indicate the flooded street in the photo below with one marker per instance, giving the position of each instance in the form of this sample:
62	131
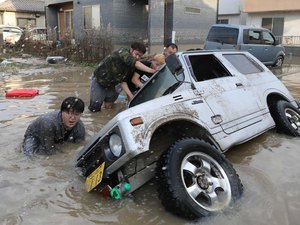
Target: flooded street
47	190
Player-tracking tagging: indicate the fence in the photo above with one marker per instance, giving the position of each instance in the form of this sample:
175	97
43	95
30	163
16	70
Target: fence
289	40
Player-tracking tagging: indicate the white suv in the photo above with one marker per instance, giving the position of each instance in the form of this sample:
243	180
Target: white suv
176	128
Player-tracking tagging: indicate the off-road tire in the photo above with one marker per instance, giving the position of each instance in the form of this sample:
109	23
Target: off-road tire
213	176
287	118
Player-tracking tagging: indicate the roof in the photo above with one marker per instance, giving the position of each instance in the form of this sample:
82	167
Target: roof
238	26
22	5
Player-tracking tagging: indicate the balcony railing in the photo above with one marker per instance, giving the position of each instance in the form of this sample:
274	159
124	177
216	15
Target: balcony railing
289	40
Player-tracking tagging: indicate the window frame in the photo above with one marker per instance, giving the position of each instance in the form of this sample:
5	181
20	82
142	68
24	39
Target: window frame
94	24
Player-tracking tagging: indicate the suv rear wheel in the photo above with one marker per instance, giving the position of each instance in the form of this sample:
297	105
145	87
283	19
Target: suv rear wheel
195	180
287	118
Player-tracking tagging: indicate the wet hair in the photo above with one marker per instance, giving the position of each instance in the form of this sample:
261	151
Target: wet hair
172	45
160	58
72	104
139	46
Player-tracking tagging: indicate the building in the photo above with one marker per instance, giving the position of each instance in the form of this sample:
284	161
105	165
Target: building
231	12
22	13
155	22
281	17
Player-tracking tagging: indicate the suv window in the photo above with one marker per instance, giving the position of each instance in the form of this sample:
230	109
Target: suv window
243	64
268	38
225	35
162	83
206	67
254	37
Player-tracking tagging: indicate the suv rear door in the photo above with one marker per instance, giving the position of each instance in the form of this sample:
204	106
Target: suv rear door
233	105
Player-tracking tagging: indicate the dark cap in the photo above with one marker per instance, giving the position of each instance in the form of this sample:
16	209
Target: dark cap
72	104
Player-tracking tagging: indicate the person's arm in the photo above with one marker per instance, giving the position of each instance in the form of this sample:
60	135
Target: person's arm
142	67
136	80
126	89
48	131
39	137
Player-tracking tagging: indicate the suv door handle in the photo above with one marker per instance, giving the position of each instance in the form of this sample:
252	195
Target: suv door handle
239	85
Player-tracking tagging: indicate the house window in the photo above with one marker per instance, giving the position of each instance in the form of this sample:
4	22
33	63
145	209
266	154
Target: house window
91	17
192	10
274	24
69	20
206	67
223	21
26	22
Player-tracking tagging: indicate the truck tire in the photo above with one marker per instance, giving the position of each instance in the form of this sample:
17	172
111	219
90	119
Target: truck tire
195	180
287	118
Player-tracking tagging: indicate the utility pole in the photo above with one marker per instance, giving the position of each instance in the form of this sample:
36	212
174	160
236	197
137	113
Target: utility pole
168	21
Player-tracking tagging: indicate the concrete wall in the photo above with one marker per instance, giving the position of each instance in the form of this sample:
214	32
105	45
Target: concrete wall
127	22
192	28
156	26
51	17
130	21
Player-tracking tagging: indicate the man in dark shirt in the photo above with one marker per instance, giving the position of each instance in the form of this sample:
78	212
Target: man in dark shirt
45	132
112	71
139	77
170	49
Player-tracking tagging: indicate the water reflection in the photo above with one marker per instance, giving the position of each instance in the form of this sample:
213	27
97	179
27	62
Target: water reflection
47	190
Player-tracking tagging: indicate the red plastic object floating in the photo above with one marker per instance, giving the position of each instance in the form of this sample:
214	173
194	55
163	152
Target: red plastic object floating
22	93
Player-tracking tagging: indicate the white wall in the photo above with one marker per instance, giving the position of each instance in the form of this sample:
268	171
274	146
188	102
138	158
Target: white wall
227	7
9	18
291	21
232	19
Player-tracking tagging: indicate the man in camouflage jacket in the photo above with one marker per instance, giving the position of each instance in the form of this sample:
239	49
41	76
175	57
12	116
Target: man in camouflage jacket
115	69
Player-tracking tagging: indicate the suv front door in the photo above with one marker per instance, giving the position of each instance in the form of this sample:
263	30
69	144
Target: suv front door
269	49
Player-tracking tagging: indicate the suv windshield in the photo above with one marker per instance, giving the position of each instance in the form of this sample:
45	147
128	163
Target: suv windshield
162	83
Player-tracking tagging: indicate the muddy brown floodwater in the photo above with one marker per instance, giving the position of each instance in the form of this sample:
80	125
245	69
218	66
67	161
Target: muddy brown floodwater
47	190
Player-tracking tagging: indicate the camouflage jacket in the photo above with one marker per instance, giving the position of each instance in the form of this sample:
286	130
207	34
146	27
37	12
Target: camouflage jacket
115	68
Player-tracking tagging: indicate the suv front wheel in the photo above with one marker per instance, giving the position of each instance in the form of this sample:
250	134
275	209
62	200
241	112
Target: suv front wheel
279	61
287	118
195	180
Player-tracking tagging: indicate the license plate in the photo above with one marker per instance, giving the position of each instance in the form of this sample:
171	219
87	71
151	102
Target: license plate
94	178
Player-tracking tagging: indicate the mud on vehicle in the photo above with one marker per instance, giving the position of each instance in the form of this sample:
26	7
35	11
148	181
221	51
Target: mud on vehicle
177	127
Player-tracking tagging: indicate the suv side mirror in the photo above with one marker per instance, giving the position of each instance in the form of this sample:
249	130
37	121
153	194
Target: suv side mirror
173	63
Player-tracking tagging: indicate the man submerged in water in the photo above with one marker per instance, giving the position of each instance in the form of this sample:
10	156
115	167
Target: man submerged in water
56	127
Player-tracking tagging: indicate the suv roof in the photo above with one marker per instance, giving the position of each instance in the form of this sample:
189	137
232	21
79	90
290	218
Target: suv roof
238	26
